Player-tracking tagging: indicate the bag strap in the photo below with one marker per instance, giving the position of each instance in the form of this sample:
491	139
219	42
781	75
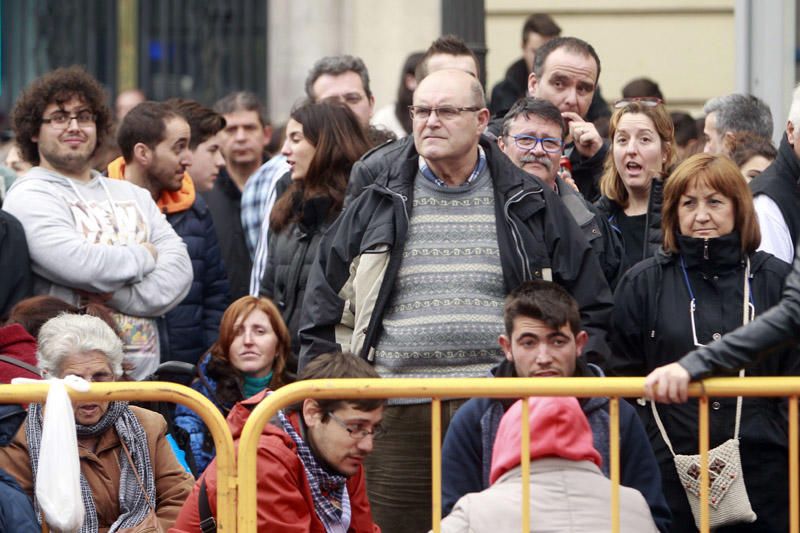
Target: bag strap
748	311
21	364
136	473
207	522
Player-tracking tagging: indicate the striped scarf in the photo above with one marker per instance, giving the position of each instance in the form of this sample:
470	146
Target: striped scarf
132	503
335	519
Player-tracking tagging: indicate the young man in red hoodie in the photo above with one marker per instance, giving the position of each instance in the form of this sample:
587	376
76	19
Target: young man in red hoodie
310	459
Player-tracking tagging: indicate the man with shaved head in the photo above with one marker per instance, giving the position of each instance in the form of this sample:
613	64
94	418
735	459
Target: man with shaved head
413	274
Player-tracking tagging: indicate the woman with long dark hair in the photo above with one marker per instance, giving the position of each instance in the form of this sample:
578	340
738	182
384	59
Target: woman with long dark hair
323	141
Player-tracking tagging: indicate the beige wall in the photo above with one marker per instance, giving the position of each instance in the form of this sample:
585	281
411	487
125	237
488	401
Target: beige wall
686	46
381	33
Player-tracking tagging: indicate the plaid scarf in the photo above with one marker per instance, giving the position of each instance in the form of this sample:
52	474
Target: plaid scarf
336	519
479	166
132	503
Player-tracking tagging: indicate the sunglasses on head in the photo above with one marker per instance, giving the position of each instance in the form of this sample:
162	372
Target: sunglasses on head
647	101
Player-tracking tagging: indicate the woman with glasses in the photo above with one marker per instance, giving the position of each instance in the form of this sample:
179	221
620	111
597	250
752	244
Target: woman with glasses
323	140
249	356
642	151
706	280
128	469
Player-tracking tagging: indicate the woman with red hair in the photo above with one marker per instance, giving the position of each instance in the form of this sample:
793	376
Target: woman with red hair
248	357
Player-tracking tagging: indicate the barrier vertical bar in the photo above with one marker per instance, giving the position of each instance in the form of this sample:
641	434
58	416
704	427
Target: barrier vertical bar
436	463
794	482
613	452
525	463
703	415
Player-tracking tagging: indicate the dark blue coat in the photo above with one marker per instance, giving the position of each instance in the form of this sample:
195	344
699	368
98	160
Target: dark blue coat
466	457
190	329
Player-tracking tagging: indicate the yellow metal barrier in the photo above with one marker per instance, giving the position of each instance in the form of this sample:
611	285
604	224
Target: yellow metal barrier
438	389
161	392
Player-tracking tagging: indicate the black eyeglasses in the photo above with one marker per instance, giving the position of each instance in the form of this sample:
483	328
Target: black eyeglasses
550	145
444	113
358	431
646	101
61	119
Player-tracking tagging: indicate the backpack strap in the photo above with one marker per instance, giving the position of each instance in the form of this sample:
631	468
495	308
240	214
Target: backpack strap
207	522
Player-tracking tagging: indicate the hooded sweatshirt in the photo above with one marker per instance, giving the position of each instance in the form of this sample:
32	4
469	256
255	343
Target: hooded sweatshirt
88	236
568	491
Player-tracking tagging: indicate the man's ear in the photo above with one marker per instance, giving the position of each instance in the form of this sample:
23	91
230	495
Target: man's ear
142	154
790	132
532	82
312	414
580	342
505	345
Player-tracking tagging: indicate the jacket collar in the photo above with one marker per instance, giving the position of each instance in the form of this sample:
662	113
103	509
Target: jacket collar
711	255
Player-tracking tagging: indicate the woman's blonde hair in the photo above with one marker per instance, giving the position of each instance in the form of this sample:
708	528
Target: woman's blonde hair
611	184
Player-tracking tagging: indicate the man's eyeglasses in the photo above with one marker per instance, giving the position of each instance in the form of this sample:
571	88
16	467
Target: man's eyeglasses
444	113
358	431
550	145
61	119
646	101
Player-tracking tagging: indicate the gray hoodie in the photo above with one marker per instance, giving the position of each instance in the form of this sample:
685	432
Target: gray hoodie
88	236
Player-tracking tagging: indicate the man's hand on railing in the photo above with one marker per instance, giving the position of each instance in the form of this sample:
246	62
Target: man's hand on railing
667	384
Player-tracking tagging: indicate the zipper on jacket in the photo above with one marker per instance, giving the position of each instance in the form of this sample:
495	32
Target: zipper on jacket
515	233
705	249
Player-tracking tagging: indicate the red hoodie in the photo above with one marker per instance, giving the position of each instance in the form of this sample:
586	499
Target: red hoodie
558	428
16	342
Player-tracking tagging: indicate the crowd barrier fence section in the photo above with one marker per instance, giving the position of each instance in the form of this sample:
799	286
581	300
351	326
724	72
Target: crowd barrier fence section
161	392
438	389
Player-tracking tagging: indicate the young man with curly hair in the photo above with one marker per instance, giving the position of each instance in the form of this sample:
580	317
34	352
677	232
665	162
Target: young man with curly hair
92	238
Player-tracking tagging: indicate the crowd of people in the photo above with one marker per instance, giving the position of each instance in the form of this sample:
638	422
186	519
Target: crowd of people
546	233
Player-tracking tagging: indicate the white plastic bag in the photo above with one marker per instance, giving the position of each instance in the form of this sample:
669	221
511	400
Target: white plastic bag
58	477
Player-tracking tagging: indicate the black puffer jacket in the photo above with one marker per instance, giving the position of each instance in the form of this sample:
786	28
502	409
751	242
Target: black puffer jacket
291	253
535	233
652	327
652	240
16	282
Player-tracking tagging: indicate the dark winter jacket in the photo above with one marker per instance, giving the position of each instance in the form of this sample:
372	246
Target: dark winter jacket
292	251
781	183
16	509
468	444
191	328
16	282
653	239
605	241
510	89
652	327
359	256
225	203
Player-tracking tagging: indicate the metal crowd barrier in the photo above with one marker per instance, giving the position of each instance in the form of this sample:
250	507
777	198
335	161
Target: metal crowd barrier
438	389
162	392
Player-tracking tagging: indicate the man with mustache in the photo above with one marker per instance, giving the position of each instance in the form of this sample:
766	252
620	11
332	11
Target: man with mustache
533	138
543	338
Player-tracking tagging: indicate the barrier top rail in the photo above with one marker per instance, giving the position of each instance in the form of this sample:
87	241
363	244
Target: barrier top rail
439	388
162	392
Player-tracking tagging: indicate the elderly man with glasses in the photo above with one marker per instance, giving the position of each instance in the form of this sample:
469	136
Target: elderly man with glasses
413	274
533	138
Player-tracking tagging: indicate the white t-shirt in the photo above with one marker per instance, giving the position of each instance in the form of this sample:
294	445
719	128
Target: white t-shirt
775	236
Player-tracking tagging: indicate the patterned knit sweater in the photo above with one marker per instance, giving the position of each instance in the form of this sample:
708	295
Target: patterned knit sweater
446	309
